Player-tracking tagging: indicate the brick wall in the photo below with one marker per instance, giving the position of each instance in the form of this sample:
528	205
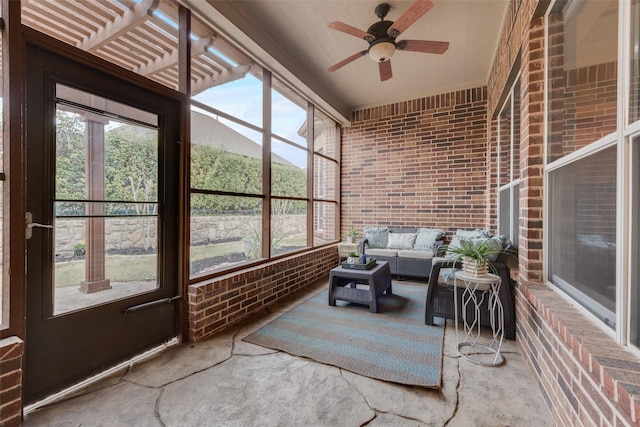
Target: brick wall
11	352
417	163
585	377
590	105
220	302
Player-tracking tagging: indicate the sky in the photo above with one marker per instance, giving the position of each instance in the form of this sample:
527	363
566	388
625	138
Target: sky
243	99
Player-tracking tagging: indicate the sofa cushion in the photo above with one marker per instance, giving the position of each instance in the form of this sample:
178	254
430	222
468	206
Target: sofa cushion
473	234
495	244
427	237
415	254
401	240
456	242
382	252
462	236
377	237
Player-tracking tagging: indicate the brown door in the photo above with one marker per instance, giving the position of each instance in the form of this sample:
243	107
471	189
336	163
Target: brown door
102	202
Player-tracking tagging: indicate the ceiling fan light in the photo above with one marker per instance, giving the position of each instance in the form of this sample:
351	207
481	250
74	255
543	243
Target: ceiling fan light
382	51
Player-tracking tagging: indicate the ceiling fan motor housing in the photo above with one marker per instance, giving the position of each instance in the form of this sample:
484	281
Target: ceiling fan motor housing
381	46
381	10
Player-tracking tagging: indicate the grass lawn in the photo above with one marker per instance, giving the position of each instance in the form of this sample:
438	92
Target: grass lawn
126	268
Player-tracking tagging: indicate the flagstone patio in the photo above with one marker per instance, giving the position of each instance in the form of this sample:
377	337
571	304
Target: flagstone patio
225	381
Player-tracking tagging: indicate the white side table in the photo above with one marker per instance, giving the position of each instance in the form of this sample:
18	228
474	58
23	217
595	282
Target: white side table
476	289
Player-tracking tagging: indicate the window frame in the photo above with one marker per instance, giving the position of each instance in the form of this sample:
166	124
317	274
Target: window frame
621	138
267	195
513	184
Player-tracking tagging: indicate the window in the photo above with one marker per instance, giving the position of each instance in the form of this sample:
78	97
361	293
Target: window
252	166
226	176
289	169
634	329
509	165
582	231
106	200
326	136
582	73
581	152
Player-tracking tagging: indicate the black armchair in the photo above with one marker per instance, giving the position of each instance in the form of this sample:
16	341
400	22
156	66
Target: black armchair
440	303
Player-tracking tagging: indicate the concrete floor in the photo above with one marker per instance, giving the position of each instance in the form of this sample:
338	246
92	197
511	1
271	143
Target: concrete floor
225	381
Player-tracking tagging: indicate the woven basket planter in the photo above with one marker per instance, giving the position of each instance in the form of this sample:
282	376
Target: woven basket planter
474	267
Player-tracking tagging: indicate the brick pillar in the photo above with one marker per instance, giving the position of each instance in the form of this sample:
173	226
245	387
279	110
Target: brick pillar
531	153
94	170
557	85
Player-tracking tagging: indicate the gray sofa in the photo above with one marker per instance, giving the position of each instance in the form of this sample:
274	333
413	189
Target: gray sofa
408	250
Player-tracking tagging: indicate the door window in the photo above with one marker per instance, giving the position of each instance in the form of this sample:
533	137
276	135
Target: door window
106	201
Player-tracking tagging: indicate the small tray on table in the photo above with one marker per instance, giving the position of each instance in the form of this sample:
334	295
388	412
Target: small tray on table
358	266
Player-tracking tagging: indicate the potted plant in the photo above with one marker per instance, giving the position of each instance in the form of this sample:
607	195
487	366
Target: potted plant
351	235
352	258
476	257
79	249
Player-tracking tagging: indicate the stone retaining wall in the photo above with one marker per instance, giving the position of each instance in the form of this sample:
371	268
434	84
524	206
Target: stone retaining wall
140	233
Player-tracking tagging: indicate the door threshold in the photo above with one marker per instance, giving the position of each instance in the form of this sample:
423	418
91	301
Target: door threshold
67	392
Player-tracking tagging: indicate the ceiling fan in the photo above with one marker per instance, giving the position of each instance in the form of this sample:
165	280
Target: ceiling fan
382	35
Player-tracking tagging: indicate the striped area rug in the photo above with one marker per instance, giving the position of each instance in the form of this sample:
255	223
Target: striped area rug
393	345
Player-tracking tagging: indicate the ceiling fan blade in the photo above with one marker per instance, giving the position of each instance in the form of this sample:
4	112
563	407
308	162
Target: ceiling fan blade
411	15
426	46
385	70
353	31
347	60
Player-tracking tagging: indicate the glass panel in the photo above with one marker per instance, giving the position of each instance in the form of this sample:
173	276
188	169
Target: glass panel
583	231
515	119
326	135
583	49
224	77
127	266
288	114
148	48
241	98
504	145
288	225
106	202
225	231
634	312
223	159
288	170
324	171
324	223
504	224
515	220
634	88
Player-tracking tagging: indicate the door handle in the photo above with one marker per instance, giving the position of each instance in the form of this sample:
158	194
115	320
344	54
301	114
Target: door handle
30	225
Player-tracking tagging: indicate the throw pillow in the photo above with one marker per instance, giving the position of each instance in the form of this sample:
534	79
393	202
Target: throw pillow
494	244
473	234
401	240
377	237
456	242
426	239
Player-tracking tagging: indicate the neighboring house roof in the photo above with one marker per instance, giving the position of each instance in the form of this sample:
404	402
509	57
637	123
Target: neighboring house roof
206	130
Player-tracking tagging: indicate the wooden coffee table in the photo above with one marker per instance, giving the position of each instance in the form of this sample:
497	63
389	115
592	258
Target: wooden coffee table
343	285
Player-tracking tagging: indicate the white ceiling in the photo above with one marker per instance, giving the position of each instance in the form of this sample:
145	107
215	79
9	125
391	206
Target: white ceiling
294	35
